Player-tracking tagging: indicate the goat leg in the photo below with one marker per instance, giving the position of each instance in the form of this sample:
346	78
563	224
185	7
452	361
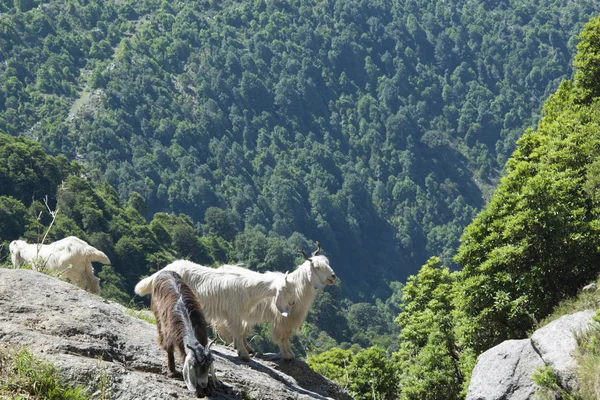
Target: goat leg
171	363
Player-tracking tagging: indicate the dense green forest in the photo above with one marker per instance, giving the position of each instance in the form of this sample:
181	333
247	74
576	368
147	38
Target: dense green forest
240	131
374	125
536	243
34	184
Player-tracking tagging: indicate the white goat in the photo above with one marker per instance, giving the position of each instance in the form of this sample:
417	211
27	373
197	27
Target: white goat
71	257
313	274
228	298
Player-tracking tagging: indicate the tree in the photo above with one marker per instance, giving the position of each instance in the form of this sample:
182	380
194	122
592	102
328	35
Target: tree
537	242
14	219
372	375
427	359
219	223
368	374
587	60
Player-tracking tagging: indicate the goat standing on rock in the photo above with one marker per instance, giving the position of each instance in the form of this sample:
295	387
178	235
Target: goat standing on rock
71	257
313	274
229	298
181	325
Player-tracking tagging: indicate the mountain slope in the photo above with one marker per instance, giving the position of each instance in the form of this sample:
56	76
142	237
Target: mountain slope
373	126
95	344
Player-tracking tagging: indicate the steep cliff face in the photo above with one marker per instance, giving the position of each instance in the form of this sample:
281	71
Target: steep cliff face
504	371
90	339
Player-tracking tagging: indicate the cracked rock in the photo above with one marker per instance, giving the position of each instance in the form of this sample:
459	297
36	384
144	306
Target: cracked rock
92	341
504	371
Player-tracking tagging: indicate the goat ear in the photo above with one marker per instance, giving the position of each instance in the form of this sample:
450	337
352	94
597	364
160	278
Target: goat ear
286	276
189	375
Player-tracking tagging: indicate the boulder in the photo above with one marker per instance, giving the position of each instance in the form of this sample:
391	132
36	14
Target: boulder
95	343
504	372
556	343
590	288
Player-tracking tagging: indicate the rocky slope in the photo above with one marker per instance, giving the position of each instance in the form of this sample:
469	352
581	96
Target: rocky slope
90	339
504	371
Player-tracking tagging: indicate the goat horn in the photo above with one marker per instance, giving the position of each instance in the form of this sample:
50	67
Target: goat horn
303	253
211	343
316	252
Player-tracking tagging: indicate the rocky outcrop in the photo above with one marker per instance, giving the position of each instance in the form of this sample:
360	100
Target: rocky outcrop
504	371
95	343
556	344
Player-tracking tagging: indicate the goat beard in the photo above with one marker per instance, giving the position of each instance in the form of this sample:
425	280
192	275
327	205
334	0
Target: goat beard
189	375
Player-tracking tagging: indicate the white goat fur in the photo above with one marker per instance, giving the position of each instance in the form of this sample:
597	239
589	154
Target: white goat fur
71	257
227	298
305	280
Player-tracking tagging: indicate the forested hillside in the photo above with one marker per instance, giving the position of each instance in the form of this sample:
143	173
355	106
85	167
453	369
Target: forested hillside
240	131
378	128
33	185
535	244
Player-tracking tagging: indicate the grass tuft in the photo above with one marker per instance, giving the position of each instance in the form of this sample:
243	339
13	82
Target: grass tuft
588	362
588	300
24	376
143	314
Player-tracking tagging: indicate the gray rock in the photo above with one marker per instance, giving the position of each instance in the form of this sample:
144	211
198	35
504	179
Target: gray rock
556	343
90	339
589	288
504	372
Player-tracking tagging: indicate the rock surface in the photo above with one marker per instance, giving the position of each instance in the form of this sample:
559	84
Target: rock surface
504	371
556	343
91	340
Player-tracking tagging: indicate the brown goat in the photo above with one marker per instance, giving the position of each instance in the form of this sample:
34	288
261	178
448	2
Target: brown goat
181	325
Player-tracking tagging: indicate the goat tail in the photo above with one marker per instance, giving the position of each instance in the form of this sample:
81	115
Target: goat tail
144	286
97	256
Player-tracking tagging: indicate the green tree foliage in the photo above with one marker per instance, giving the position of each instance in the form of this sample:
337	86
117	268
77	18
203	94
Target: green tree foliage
587	60
367	374
27	172
92	212
427	359
538	240
366	125
14	219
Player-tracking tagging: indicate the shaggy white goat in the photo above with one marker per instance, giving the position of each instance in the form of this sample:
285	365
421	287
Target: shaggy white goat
313	274
71	257
228	298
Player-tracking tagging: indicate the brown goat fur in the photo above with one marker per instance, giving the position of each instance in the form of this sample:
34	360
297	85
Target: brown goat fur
180	321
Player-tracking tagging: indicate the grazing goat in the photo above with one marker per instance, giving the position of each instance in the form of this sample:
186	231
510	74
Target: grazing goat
313	274
71	257
228	298
181	325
